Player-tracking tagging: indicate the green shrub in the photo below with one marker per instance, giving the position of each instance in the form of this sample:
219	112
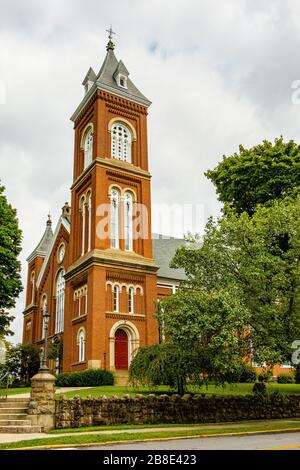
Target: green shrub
243	373
260	388
247	374
286	378
265	376
86	378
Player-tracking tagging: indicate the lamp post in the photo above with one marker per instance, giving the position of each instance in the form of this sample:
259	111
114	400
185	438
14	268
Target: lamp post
44	367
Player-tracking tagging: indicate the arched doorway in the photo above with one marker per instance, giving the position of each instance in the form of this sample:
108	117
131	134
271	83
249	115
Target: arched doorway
121	349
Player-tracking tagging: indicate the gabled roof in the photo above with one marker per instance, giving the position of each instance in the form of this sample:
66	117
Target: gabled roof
61	221
164	249
43	246
121	69
90	76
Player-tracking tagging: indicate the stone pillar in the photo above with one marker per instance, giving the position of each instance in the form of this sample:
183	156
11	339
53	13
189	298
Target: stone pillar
42	400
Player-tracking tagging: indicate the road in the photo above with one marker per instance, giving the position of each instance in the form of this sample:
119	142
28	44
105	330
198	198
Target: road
283	441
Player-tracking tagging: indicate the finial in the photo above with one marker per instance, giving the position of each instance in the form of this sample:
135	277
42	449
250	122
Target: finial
49	222
110	45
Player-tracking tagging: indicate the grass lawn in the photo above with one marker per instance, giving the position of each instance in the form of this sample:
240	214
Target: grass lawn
233	389
293	422
16	391
79	439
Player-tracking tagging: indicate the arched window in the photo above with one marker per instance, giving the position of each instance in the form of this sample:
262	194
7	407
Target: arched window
89	209
32	286
131	300
44	306
82	210
116	298
88	148
121	142
114	218
128	204
60	302
81	345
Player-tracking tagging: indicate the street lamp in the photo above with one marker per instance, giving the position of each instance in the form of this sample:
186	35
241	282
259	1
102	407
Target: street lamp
46	316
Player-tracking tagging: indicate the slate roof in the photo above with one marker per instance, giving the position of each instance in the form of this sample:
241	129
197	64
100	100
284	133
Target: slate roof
164	249
43	246
106	80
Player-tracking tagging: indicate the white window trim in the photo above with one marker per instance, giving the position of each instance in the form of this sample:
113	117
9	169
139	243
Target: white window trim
89	208
44	306
131	300
60	301
116	298
83	226
88	148
81	346
121	142
114	218
128	213
120	78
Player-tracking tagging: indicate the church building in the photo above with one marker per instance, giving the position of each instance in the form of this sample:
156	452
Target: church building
100	272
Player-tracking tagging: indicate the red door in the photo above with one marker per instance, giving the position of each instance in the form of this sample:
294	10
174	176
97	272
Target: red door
121	350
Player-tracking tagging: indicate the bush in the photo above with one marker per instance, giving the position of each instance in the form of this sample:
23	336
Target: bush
286	379
243	373
86	378
260	388
265	376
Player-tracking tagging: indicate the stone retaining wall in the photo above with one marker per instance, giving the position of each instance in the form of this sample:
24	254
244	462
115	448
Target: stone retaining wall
152	409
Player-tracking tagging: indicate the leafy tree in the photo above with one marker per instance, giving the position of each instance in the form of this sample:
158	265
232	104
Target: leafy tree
203	346
163	364
241	260
56	351
23	361
10	248
172	364
255	176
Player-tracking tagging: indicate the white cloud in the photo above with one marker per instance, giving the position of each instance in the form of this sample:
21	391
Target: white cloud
218	73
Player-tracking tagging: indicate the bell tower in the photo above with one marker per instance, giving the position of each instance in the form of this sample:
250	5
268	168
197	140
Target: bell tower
111	284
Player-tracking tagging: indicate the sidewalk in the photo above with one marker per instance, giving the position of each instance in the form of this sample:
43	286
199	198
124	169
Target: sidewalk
20	437
59	390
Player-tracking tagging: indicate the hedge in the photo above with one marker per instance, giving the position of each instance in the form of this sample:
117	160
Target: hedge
243	373
286	379
86	378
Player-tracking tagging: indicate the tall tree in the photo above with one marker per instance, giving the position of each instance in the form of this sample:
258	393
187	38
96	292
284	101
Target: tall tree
257	175
252	264
10	268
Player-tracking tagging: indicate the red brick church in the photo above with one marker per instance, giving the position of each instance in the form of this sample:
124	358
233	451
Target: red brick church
100	271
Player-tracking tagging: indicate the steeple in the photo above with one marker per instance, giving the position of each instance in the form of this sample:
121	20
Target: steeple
42	247
113	77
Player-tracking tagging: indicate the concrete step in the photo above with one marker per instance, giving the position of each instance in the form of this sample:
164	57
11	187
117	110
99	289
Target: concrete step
15	398
15	422
20	429
5	411
14	403
13	416
121	377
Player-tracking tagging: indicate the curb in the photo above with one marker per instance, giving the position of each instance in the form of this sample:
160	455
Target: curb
157	439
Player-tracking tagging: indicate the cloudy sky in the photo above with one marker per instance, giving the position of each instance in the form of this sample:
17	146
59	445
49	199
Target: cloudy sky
219	73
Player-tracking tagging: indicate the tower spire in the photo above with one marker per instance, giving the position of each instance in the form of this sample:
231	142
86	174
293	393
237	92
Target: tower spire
110	45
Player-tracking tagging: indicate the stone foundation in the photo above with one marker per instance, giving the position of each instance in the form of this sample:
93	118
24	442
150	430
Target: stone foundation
152	409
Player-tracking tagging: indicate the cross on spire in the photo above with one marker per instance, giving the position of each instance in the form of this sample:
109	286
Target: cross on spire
110	33
110	44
